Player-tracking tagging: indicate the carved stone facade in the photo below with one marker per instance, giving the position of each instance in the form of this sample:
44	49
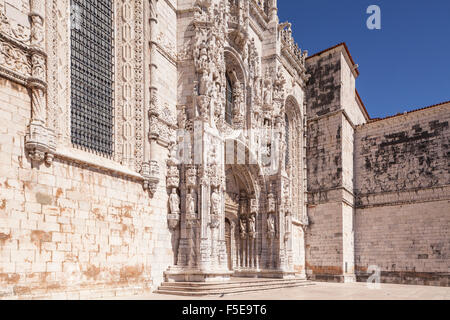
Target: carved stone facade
234	153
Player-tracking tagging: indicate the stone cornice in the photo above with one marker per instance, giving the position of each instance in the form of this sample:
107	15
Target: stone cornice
395	197
26	51
92	160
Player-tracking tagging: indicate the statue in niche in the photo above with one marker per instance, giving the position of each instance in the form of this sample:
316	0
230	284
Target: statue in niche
202	54
174	202
215	202
190	203
205	88
267	92
239	101
271	224
271	203
243	227
252	224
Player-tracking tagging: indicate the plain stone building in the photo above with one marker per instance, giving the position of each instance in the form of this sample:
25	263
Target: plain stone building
144	141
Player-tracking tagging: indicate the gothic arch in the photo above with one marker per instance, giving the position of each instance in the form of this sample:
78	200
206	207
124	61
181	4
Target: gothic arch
233	60
250	174
292	108
294	153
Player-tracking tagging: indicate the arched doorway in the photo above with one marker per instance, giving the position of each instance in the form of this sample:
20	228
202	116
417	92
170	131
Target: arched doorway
228	243
243	222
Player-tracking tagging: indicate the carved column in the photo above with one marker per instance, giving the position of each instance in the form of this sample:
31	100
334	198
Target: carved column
173	184
40	140
191	219
150	167
243	230
173	218
271	229
252	234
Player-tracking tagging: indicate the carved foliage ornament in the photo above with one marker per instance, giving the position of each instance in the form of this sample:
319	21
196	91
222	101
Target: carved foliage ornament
17	32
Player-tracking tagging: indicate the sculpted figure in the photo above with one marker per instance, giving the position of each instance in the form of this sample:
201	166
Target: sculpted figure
174	202
271	224
271	203
205	84
190	201
215	202
243	226
252	224
267	93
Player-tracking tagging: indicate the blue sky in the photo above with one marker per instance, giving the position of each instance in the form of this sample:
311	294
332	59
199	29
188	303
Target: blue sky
403	66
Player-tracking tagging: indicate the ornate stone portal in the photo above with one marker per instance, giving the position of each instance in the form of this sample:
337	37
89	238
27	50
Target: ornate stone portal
236	213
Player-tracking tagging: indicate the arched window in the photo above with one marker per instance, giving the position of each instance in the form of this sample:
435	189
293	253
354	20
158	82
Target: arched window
229	101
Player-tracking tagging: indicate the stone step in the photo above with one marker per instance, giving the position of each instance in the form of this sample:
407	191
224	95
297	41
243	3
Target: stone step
230	285
233	281
229	288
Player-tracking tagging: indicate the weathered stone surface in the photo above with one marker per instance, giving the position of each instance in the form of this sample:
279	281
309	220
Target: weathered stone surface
340	193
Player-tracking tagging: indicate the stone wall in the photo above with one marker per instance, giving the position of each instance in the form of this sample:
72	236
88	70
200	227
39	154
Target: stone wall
329	239
323	94
71	225
402	180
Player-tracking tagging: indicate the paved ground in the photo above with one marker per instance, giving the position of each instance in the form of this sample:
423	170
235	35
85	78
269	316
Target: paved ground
327	291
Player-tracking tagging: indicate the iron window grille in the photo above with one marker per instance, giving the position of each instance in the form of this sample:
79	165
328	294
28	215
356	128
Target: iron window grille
92	76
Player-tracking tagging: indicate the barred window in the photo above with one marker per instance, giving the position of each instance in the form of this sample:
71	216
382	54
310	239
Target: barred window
92	74
229	101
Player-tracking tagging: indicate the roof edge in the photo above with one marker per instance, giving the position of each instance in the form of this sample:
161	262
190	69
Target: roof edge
410	112
363	107
343	44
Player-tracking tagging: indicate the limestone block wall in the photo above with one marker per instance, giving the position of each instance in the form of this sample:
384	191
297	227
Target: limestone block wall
333	111
403	208
70	226
298	248
324	243
324	155
167	54
324	87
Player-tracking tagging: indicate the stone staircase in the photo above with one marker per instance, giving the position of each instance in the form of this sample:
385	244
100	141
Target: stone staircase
232	287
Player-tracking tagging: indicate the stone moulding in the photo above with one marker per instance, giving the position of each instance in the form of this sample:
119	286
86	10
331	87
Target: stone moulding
24	62
95	161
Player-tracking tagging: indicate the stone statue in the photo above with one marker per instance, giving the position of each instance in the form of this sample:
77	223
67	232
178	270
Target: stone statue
174	202
243	227
267	99
271	224
271	203
205	84
252	224
190	203
215	202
